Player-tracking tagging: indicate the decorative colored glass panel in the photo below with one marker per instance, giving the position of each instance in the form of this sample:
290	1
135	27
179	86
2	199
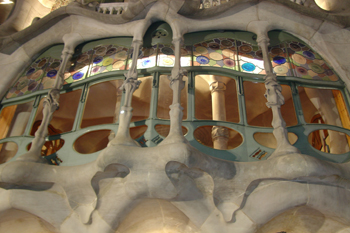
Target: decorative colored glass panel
218	52
280	61
79	67
250	58
108	58
30	80
51	72
307	64
166	56
146	58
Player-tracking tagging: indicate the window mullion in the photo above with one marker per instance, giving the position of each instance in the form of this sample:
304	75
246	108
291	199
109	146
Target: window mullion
78	116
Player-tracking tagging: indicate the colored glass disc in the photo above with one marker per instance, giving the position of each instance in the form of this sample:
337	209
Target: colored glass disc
279	60
78	76
51	73
248	66
97	59
30	71
202	60
309	55
229	62
168	51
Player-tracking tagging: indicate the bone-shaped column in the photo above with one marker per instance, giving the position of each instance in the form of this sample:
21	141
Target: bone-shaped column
130	85
51	104
176	84
275	99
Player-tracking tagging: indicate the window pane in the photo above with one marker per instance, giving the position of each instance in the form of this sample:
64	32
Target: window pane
14	119
329	141
165	98
258	114
141	99
103	103
63	118
323	102
92	141
216	98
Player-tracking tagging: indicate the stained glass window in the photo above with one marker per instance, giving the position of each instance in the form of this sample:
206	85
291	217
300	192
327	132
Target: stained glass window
30	79
79	68
108	58
218	52
307	64
146	57
250	58
279	60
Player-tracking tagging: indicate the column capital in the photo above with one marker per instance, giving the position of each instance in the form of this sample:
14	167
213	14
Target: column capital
136	42
178	39
219	131
217	86
263	40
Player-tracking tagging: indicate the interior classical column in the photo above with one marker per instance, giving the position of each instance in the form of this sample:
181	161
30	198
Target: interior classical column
275	99
220	135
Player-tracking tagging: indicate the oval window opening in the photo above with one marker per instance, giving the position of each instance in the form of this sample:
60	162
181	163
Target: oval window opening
329	141
268	140
50	147
218	137
7	151
138	131
92	141
163	130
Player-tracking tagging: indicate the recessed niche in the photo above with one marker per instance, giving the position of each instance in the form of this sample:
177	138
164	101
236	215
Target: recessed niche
50	147
7	151
329	141
163	130
224	138
269	140
92	141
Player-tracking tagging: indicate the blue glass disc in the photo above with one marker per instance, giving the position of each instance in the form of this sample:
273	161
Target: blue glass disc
78	76
51	73
202	60
309	55
97	59
248	67
279	60
146	62
29	72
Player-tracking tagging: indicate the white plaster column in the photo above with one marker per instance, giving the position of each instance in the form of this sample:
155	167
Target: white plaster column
220	135
275	99
176	84
51	104
130	85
